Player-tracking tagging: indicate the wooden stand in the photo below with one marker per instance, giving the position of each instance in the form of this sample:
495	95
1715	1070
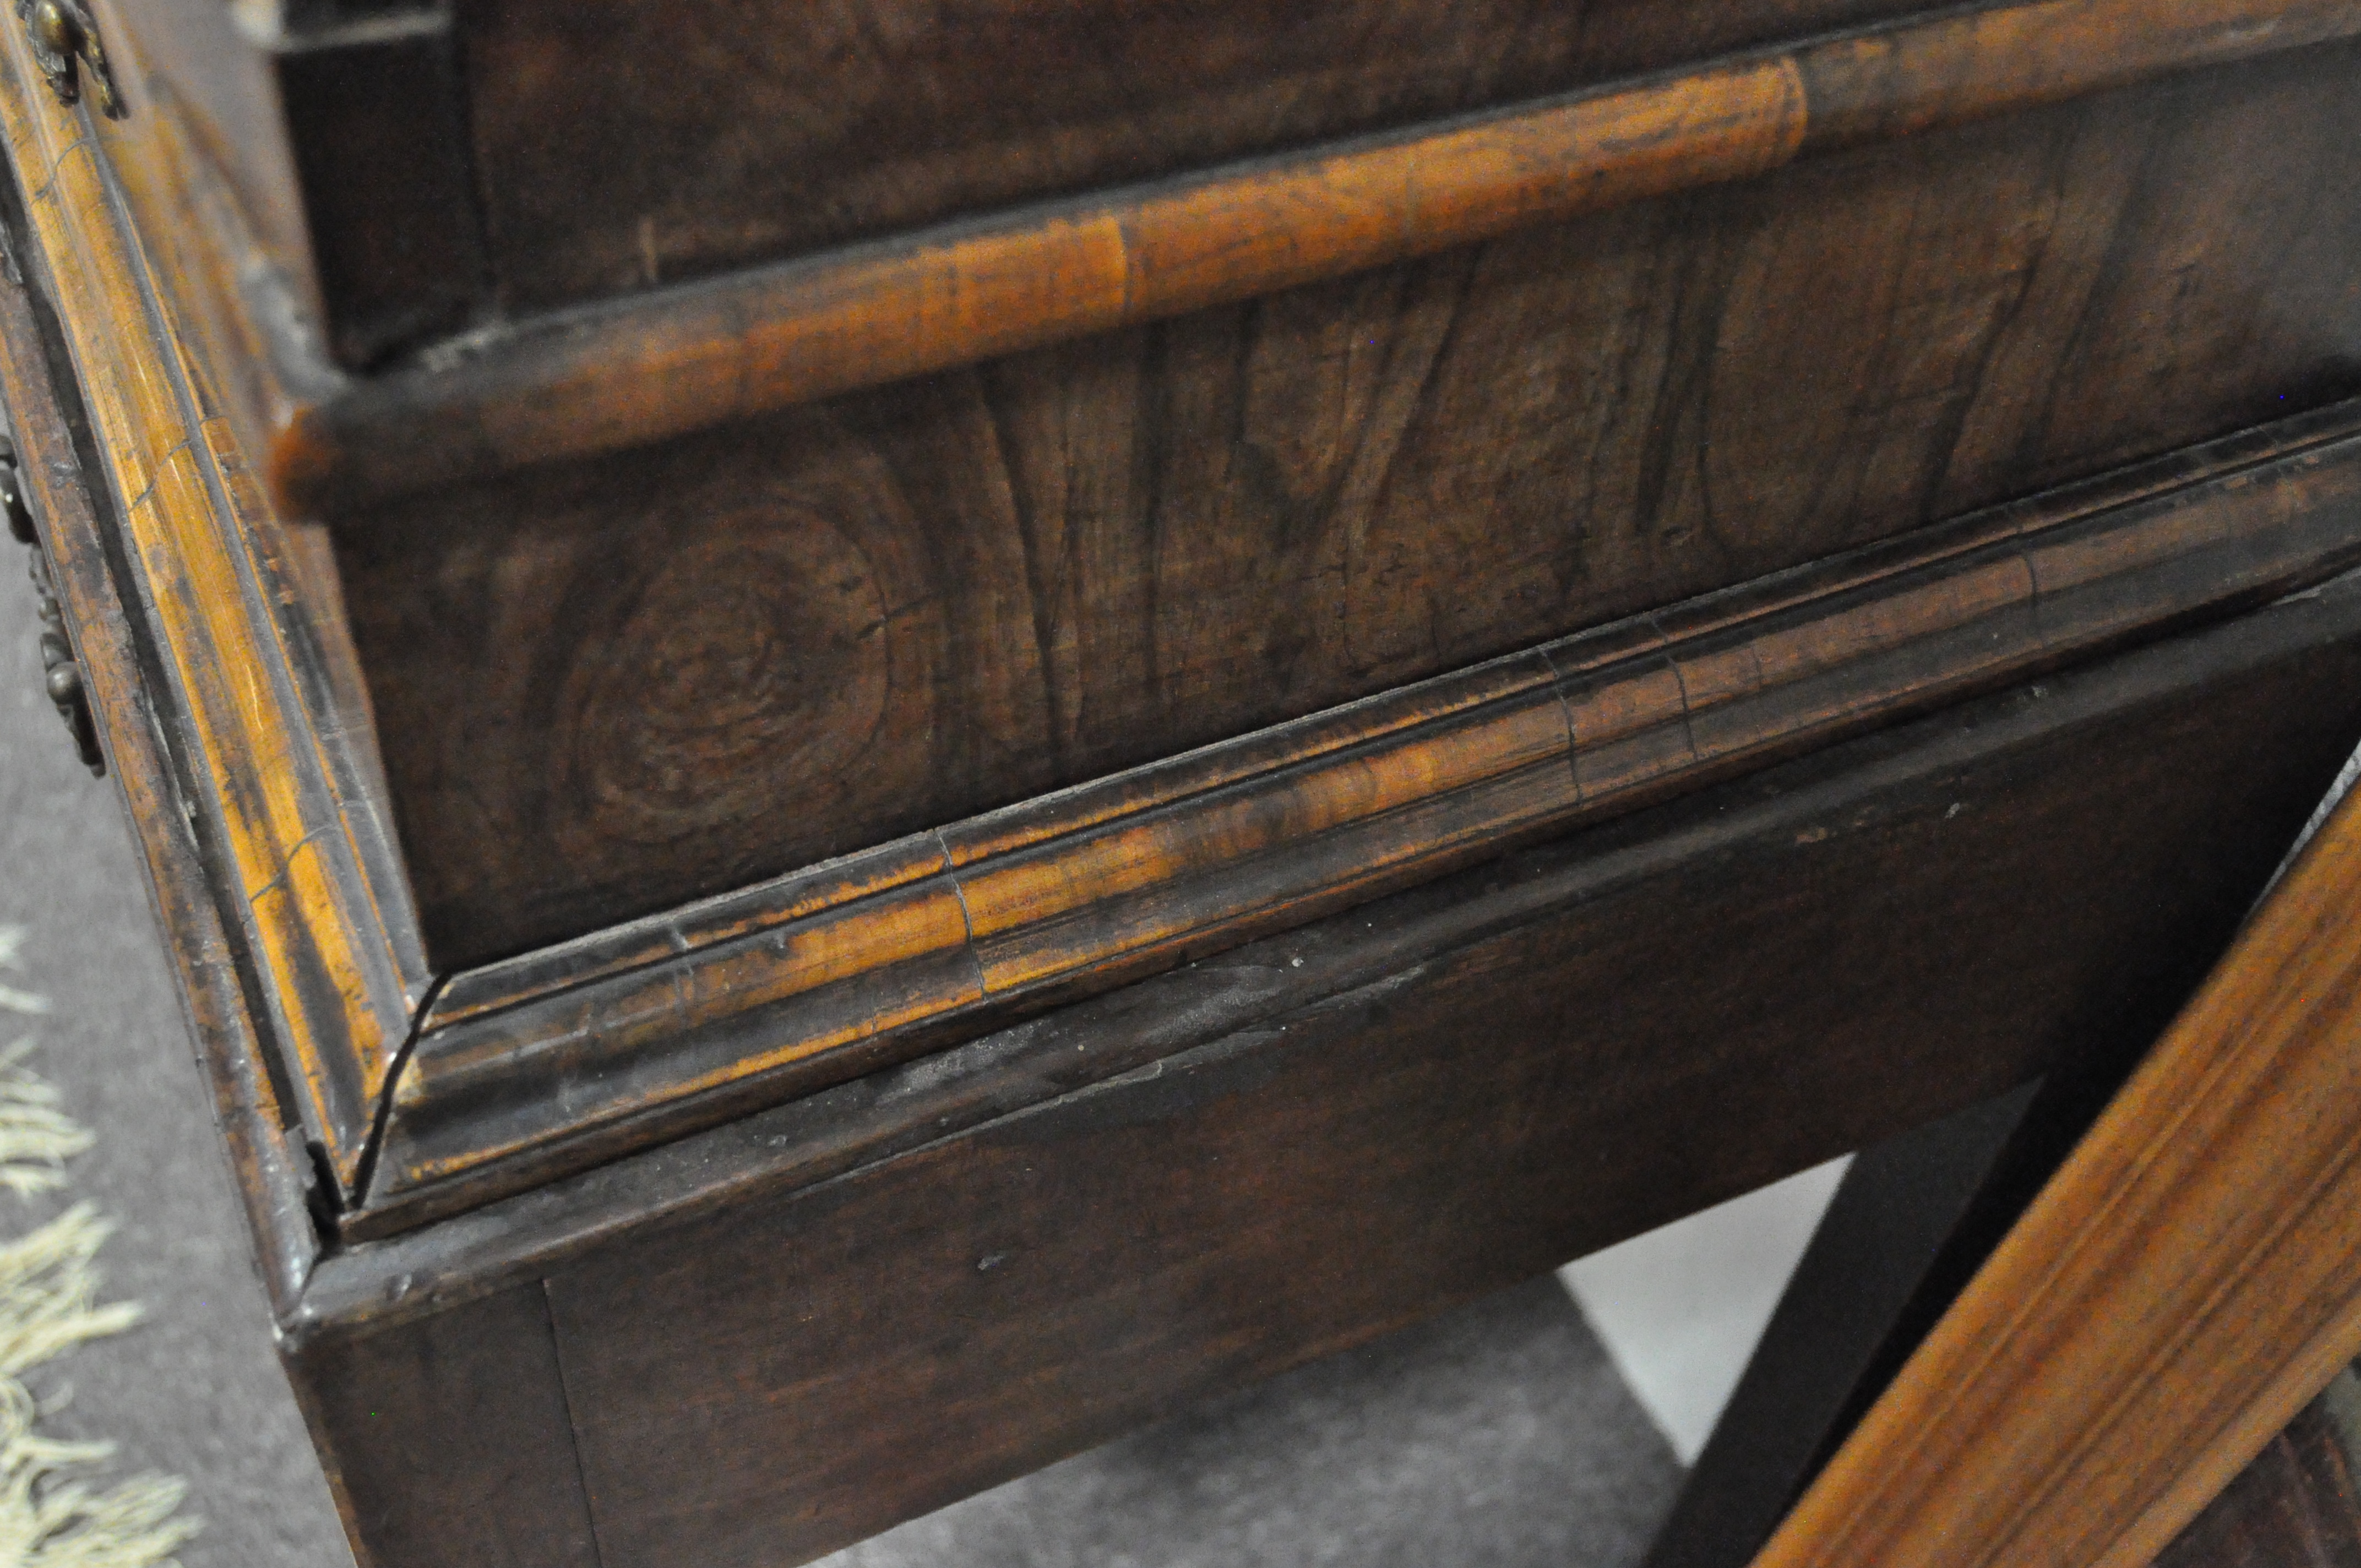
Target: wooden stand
819	861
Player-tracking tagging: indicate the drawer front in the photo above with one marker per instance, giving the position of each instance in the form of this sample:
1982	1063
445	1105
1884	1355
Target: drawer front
630	681
623	145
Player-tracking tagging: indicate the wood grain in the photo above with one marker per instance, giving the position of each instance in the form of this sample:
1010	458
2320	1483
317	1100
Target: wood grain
553	1060
878	119
2188	1280
687	359
247	302
791	1330
632	683
133	702
1902	1209
817	1137
329	968
199	59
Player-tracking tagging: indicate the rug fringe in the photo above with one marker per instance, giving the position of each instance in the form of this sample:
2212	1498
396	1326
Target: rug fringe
48	1305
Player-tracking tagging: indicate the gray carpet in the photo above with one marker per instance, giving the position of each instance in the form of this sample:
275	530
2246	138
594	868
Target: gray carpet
1499	1436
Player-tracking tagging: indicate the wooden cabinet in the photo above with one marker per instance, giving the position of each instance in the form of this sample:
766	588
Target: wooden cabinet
877	739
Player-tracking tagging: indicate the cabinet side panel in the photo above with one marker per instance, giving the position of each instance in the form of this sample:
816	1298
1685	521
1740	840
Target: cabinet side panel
379	142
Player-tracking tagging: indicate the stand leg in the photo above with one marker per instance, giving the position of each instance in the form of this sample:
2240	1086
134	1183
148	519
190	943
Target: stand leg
1910	1220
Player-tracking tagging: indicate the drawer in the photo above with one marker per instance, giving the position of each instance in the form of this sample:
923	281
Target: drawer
636	679
427	166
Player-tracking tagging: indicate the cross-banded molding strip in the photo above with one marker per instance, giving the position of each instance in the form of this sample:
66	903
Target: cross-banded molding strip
564	1056
272	1175
671	361
335	984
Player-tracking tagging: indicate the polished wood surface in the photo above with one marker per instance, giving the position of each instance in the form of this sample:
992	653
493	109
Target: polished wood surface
1903	1209
2188	1280
1009	1250
569	127
580	1052
319	908
766	339
560	1058
630	682
635	681
122	674
882	116
847	1047
546	144
198	62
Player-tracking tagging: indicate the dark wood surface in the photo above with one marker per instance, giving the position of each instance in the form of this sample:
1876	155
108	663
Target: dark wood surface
1245	1208
1472	428
1036	1240
339	133
378	127
544	83
1049	900
808	131
562	1057
447	1440
2297	1506
2186	1281
640	680
1912	1224
688	357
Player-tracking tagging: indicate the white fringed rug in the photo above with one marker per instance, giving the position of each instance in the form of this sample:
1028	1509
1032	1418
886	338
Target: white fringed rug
49	1286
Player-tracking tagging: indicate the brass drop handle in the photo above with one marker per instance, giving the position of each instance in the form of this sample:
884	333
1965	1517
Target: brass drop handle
60	672
64	37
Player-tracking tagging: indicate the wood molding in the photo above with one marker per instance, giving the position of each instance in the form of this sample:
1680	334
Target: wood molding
122	679
1109	1044
302	858
1181	1185
2187	1281
599	378
525	1068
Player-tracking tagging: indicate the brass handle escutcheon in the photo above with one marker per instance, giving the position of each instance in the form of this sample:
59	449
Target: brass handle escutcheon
64	37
